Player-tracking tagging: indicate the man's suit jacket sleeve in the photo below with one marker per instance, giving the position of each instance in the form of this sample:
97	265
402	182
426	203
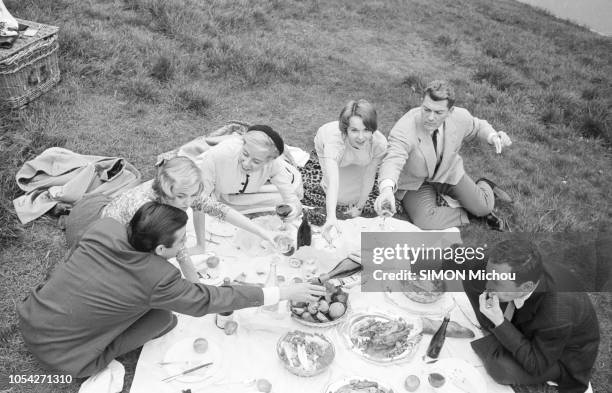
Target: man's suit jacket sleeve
398	151
177	294
535	355
541	352
473	289
475	127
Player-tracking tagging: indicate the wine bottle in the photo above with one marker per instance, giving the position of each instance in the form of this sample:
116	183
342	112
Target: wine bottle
272	281
344	268
437	341
304	233
223	317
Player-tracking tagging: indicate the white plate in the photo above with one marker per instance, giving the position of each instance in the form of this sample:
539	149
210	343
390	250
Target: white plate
183	351
440	307
219	228
199	260
335	386
209	276
461	377
286	351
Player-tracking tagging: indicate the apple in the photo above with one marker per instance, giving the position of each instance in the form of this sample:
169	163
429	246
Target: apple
341	297
336	310
412	383
436	380
213	261
200	345
263	385
230	327
313	307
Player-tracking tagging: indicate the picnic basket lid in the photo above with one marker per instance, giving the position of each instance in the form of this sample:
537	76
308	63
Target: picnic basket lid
23	42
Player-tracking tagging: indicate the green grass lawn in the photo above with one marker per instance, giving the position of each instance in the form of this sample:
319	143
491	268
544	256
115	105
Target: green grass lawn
140	77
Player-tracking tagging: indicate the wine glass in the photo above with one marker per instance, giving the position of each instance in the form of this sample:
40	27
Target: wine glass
284	245
283	211
328	235
384	214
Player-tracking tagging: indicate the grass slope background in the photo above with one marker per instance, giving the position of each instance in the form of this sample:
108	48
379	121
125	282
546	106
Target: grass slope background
140	77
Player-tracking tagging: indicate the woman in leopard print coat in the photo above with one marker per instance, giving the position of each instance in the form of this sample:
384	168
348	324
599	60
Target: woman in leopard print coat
341	172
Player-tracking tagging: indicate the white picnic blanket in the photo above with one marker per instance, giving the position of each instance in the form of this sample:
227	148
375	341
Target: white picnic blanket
251	353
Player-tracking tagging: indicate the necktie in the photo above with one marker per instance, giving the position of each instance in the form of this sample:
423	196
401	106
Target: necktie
509	313
434	139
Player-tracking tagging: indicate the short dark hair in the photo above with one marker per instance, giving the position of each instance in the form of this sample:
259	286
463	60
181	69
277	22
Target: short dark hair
523	257
362	109
153	224
440	90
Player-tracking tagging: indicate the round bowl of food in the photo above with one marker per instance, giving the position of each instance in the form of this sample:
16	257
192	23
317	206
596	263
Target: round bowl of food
305	354
329	310
383	338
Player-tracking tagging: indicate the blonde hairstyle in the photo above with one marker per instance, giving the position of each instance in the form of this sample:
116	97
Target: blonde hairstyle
362	109
263	141
177	170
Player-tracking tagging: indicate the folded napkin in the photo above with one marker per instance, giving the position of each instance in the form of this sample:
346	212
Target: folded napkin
260	320
109	380
299	156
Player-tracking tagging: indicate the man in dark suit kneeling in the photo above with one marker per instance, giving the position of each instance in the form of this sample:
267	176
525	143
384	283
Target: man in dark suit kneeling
541	326
117	291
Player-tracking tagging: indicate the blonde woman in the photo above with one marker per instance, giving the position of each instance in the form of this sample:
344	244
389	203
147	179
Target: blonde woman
178	183
250	172
341	172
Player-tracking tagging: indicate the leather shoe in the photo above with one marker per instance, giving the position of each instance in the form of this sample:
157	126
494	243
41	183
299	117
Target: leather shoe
497	223
498	192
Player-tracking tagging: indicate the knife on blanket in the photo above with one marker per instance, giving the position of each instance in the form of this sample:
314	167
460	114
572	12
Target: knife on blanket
168	379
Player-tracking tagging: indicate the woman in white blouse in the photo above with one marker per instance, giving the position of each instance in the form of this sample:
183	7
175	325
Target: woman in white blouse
251	173
349	152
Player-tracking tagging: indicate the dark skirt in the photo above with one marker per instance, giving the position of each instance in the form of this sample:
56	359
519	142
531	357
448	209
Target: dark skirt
82	215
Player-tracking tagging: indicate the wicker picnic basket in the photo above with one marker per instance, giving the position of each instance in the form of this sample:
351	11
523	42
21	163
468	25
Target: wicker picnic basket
30	67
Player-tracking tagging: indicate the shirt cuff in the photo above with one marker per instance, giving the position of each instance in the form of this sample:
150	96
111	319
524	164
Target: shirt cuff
386	183
271	295
507	334
490	137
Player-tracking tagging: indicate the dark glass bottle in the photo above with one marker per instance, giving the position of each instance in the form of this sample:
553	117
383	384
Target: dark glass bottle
224	317
346	267
437	341
304	233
